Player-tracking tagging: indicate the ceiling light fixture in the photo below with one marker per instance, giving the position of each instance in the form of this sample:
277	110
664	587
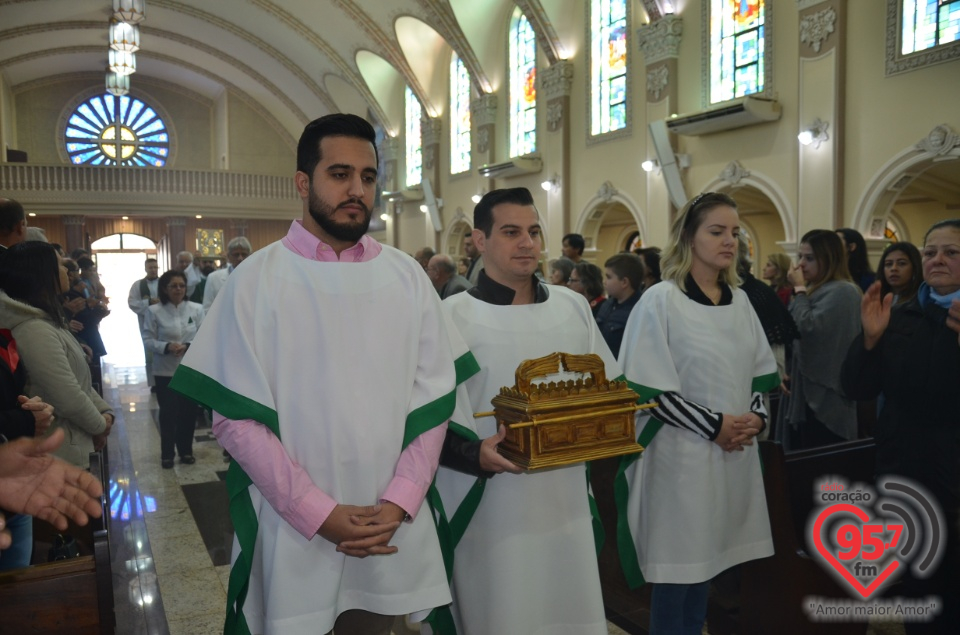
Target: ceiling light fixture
122	62
118	85
124	37
129	11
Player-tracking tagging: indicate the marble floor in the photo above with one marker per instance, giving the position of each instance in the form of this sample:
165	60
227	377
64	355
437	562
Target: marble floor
167	579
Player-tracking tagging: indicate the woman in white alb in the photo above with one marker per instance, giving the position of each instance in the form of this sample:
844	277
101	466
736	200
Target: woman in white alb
168	329
694	346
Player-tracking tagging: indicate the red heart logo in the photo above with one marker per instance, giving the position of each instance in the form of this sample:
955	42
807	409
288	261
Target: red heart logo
864	591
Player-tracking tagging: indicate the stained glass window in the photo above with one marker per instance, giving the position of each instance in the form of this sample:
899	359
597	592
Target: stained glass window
608	62
414	152
929	23
459	116
737	48
523	86
110	130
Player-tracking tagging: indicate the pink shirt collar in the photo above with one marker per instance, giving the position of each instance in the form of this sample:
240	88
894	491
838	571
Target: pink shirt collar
302	242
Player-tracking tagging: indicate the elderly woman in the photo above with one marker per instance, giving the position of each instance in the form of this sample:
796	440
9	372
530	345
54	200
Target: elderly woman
912	356
31	279
696	505
168	329
560	270
587	280
826	311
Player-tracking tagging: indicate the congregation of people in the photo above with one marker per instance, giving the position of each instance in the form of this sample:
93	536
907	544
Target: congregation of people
351	508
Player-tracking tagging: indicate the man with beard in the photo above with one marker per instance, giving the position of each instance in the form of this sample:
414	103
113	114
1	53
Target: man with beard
476	260
330	374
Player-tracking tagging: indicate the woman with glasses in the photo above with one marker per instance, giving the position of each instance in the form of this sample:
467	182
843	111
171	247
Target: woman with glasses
168	329
587	280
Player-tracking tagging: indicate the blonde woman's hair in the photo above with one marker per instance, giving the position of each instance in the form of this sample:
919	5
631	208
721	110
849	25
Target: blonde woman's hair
830	255
783	264
677	258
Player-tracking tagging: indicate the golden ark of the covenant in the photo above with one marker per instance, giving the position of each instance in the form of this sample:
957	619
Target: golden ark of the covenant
562	422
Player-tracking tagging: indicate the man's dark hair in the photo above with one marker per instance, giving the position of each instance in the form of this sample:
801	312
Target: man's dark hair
651	260
11	215
483	212
576	241
30	272
335	125
165	279
628	266
78	253
86	262
857	262
149	260
57	247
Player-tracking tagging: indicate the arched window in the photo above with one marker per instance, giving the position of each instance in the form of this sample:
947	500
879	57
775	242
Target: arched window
737	48
608	64
414	152
929	23
523	86
110	130
459	116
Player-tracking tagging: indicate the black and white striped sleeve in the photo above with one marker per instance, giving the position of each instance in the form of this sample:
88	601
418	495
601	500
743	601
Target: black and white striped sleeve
678	412
758	408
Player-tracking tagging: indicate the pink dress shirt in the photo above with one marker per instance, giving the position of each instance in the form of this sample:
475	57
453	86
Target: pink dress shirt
286	485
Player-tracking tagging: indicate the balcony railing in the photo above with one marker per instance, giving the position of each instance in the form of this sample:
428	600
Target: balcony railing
38	179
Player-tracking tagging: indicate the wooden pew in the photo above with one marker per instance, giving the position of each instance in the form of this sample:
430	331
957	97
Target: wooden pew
772	589
68	596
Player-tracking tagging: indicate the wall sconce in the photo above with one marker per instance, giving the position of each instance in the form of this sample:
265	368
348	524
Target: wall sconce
550	183
650	165
384	217
476	198
815	134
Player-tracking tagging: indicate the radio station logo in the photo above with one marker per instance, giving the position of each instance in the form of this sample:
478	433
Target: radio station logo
867	541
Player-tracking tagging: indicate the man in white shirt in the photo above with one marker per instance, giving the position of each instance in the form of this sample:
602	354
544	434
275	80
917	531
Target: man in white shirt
237	251
143	293
190	270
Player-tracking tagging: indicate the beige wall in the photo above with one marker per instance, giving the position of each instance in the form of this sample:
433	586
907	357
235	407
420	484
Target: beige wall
255	146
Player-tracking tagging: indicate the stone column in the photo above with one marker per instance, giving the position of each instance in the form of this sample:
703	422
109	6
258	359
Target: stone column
659	43
73	226
430	134
483	117
556	82
176	230
821	82
389	155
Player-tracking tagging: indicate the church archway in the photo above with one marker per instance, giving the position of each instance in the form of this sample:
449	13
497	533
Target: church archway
610	222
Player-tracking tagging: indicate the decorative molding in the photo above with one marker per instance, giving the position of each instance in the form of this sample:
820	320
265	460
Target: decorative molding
660	40
176	221
96	77
554	114
878	227
483	110
817	27
390	148
898	63
607	191
652	7
350	73
73	220
806	4
429	154
557	80
940	141
658	79
733	173
430	130
547	39
483	139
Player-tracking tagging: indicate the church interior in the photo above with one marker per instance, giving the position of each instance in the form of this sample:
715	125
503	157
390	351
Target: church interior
177	122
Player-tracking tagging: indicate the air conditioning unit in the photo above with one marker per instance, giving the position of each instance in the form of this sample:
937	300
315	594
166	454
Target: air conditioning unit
514	167
746	111
406	195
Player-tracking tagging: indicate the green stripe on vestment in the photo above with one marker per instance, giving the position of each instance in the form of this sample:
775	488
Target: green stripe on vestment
232	405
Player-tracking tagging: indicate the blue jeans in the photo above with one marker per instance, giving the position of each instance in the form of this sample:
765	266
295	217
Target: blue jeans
18	555
678	609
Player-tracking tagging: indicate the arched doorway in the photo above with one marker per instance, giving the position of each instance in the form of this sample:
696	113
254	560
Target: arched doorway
120	263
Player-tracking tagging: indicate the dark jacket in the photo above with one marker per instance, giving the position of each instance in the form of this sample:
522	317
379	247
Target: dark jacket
15	422
612	318
916	365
